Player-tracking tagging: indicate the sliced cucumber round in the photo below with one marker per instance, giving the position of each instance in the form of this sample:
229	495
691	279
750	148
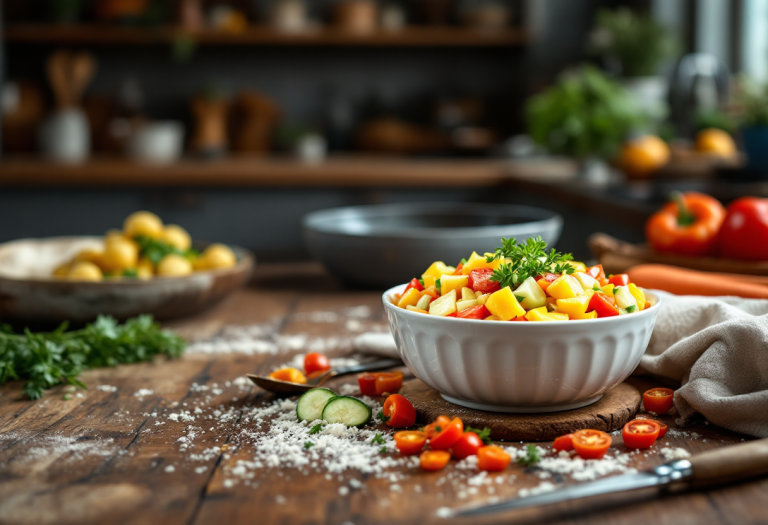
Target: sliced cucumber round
348	410
312	402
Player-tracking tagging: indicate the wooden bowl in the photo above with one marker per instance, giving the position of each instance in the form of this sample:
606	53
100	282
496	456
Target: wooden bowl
30	294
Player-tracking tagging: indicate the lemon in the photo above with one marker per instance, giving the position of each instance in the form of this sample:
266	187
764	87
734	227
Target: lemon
642	156
716	141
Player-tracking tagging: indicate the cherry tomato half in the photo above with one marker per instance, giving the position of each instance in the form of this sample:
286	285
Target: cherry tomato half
658	400
400	412
388	382
492	458
640	433
447	437
467	445
437	426
315	362
410	442
662	429
596	272
480	281
367	384
432	460
563	443
591	444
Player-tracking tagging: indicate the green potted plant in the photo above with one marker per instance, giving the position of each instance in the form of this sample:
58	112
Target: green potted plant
751	99
585	115
635	46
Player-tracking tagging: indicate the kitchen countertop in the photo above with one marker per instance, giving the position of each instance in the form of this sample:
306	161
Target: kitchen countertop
119	454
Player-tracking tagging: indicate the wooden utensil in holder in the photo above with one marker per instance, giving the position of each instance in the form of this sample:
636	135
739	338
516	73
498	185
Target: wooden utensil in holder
65	135
210	138
357	16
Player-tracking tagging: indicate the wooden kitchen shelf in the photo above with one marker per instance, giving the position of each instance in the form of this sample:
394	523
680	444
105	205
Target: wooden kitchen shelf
413	36
340	171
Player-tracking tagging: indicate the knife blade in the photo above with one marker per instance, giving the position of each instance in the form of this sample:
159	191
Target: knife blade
715	467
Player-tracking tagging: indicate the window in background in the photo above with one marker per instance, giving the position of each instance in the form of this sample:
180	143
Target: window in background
754	39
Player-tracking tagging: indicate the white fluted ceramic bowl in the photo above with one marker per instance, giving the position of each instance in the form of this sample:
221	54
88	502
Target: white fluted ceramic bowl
520	367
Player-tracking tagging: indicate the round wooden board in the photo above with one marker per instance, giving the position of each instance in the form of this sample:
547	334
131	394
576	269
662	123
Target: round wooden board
616	408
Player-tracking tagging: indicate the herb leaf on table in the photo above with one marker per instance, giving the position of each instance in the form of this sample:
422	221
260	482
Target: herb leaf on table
47	359
532	456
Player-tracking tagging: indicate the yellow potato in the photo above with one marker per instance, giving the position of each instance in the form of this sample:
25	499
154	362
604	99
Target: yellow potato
217	256
177	236
174	266
145	269
119	254
62	270
85	271
91	256
143	223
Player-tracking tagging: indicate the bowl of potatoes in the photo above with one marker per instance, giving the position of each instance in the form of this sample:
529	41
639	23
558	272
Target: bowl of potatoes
147	267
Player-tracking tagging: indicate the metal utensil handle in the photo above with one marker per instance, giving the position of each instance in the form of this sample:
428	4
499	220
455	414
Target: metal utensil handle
367	367
728	464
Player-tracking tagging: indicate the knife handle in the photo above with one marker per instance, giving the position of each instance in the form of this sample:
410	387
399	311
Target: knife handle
729	464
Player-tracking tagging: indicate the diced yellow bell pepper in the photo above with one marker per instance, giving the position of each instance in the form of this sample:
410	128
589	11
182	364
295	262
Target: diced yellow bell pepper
638	294
417	310
608	289
476	261
589	315
574	306
565	287
452	282
503	304
434	272
409	298
444	305
541	314
577	266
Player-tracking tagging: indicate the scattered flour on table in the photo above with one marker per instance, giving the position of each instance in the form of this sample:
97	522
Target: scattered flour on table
106	388
143	392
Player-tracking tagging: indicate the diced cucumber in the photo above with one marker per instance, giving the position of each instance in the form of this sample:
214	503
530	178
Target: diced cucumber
424	302
312	402
586	281
463	305
624	298
347	410
532	294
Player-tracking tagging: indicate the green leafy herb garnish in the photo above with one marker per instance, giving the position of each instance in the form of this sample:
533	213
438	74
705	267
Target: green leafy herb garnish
155	250
463	261
131	273
527	259
382	417
438	284
383	450
316	429
378	439
421	282
308	445
47	359
484	434
597	288
519	298
631	308
532	456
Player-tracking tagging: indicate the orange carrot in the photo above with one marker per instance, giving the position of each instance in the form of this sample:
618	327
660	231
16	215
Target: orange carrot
681	281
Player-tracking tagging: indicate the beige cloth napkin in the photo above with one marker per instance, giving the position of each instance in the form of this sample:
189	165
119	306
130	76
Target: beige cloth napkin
717	348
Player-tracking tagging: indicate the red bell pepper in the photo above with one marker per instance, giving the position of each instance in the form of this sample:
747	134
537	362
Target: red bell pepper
621	279
602	305
480	281
413	284
474	312
596	272
458	269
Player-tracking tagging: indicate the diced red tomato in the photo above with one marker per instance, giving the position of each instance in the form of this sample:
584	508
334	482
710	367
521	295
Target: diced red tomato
621	279
596	272
437	426
640	433
492	458
388	382
563	443
315	362
662	429
367	384
474	312
467	445
448	436
480	281
454	314
413	284
410	442
602	305
432	460
659	400
399	411
591	444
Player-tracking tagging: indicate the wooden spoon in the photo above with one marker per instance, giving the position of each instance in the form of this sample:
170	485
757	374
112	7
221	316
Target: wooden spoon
81	69
57	68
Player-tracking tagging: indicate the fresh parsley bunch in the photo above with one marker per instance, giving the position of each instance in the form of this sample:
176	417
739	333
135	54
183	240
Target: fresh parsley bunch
155	250
48	359
527	259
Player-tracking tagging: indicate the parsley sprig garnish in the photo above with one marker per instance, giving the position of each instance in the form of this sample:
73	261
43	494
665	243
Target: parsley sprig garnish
316	429
47	359
532	456
378	439
484	434
527	259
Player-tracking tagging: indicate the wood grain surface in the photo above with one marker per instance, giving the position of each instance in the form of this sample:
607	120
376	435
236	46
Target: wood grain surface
101	456
611	412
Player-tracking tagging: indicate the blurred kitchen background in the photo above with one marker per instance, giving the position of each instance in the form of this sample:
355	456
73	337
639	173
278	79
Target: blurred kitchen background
235	118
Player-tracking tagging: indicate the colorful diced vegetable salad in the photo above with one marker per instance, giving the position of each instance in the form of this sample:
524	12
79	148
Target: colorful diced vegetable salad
521	282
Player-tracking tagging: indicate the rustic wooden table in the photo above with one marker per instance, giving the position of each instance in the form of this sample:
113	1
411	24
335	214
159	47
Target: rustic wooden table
127	451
